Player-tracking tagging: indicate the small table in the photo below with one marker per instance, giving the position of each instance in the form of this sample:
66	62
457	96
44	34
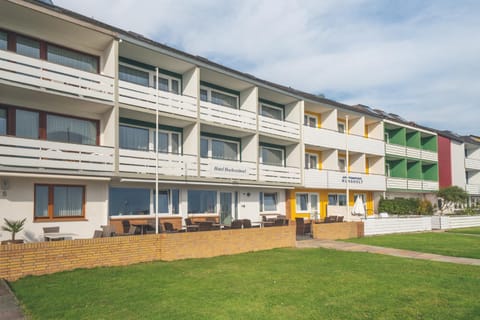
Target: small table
58	236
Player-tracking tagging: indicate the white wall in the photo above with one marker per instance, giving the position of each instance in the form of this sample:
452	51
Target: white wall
458	163
249	99
397	225
329	120
19	204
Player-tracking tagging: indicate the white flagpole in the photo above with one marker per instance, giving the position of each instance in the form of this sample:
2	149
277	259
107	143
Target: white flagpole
156	152
347	165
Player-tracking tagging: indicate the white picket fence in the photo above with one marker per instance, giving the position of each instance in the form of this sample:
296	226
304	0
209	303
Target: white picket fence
389	225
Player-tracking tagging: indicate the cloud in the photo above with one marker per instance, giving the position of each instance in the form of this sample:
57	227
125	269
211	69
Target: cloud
418	59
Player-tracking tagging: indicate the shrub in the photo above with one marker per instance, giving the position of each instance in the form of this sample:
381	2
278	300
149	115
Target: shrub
425	207
400	206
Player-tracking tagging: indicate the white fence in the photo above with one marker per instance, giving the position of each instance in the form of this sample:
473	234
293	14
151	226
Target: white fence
415	224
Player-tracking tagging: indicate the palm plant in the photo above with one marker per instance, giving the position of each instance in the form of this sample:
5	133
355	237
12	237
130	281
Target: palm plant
13	226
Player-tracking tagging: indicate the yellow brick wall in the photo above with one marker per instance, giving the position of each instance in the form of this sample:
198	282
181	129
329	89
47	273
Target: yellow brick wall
39	258
339	230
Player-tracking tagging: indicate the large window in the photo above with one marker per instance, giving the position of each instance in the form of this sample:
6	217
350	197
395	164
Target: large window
28	47
311	161
271	111
167	84
27	123
219	149
133	138
337	199
3	40
71	130
310	121
218	97
202	201
141	201
134	75
268	201
168	142
271	155
168	201
141	138
147	77
307	202
3	121
59	201
73	59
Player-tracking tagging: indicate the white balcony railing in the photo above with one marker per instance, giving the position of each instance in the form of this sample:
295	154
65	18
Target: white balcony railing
429	155
473	189
396	183
472	164
239	119
144	162
396	150
414	153
430	185
146	97
286	175
338	180
42	75
40	155
335	140
216	168
279	128
413	184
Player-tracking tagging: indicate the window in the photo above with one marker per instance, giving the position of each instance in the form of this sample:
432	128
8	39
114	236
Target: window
167	84
71	58
341	163
271	112
341	127
310	121
3	40
202	201
28	47
220	98
271	156
133	138
134	75
71	130
337	200
387	169
387	137
218	149
3	121
27	124
168	142
59	201
129	201
311	161
268	201
307	202
168	201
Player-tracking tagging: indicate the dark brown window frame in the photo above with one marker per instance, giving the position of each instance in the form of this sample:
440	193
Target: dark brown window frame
51	209
12	46
42	126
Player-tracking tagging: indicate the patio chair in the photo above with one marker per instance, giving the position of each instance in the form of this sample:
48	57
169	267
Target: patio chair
109	231
190	226
247	223
169	227
205	226
340	218
330	219
98	234
52	230
279	222
211	219
126	226
300	226
236	224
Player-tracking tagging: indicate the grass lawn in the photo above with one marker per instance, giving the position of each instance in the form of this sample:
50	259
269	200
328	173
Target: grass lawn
276	284
449	244
475	230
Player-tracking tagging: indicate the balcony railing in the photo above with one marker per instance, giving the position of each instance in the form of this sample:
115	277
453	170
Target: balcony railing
335	140
224	169
146	97
230	117
41	155
169	164
429	155
279	128
396	183
430	185
413	184
338	180
395	149
414	153
472	164
473	189
43	75
286	175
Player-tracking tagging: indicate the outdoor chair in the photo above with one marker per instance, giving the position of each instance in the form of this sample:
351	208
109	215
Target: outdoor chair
109	231
247	223
126	226
190	225
205	226
52	230
236	224
98	234
211	219
340	218
169	227
279	222
301	228
330	219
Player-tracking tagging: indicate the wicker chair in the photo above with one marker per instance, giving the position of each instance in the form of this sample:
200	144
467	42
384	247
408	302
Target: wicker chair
98	234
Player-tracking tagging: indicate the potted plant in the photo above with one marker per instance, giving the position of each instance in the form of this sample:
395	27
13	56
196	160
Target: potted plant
14	227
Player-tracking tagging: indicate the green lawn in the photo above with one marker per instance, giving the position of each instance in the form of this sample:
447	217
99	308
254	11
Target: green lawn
475	230
276	284
449	244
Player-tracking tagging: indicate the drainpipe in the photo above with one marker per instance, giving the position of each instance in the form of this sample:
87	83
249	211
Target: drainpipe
347	165
156	151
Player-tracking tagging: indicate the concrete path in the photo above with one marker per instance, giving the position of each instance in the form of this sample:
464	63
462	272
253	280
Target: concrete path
354	247
9	308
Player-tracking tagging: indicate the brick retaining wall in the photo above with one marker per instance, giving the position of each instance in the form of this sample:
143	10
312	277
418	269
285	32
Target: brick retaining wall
335	231
39	258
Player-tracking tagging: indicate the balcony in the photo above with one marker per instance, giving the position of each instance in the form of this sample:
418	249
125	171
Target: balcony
146	97
396	183
395	150
338	180
279	128
429	155
143	162
414	153
414	184
472	164
40	155
239	119
473	189
278	174
336	140
232	170
42	75
411	184
430	185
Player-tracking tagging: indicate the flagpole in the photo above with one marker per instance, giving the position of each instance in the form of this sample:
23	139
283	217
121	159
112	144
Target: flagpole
156	152
347	166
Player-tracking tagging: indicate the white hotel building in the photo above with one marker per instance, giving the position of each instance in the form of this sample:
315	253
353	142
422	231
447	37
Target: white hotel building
92	118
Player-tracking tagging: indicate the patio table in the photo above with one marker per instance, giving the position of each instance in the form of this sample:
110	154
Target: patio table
58	235
143	227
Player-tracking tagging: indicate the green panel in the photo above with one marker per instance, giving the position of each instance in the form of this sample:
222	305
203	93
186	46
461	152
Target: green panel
396	136
429	143
414	170
430	171
398	168
413	139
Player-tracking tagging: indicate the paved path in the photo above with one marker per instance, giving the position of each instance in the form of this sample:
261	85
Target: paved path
347	246
9	309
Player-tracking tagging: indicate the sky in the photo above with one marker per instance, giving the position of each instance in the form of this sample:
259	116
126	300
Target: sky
417	59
